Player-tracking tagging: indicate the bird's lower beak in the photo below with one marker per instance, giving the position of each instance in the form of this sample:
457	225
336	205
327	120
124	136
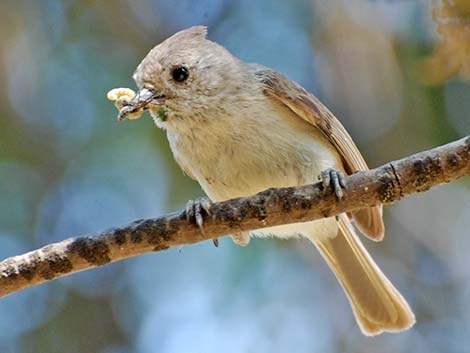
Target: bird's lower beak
140	102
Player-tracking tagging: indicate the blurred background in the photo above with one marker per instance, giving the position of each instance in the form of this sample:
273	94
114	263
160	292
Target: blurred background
394	72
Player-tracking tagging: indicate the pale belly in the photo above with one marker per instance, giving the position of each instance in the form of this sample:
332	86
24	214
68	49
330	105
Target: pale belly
244	171
242	168
294	171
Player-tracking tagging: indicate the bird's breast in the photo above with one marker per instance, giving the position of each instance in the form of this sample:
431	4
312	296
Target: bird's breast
245	156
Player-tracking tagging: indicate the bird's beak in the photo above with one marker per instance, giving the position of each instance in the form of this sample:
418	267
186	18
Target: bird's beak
145	96
141	100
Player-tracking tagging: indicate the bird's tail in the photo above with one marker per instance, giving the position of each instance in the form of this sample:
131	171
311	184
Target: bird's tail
376	303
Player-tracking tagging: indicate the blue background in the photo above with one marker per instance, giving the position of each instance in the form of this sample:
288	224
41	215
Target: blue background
67	168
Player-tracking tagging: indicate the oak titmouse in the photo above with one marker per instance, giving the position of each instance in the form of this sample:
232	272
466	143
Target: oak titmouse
241	128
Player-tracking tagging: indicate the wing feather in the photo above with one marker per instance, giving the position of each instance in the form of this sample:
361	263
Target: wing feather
308	107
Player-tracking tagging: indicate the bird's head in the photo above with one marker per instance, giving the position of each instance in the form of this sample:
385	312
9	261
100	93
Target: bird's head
185	75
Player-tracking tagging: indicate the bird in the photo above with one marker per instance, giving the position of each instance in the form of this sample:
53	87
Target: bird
239	128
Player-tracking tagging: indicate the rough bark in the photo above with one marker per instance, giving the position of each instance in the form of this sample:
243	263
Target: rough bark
386	184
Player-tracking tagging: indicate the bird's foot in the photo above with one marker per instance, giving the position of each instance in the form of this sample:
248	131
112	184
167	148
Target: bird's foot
194	213
333	177
242	238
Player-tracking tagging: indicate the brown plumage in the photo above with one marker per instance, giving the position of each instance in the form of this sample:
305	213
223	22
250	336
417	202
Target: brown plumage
306	106
377	305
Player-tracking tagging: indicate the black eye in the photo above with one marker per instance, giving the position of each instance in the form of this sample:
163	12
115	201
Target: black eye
180	74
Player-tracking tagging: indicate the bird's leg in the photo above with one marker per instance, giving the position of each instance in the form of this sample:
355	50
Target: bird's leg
242	238
333	177
194	210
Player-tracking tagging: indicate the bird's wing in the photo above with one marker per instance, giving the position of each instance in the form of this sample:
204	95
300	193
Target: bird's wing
305	105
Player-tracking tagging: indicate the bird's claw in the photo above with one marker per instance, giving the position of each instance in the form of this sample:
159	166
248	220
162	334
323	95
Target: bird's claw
333	177
194	212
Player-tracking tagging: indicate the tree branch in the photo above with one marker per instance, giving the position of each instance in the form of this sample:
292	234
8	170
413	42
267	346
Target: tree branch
385	184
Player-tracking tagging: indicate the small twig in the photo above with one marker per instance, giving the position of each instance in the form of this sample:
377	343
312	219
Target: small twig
385	184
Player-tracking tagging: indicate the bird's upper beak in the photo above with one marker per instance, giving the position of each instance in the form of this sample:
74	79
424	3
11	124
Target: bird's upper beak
141	100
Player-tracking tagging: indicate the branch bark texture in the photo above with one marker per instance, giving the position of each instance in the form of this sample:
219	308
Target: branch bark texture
386	184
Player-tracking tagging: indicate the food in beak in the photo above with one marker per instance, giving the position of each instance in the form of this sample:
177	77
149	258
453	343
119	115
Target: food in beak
132	105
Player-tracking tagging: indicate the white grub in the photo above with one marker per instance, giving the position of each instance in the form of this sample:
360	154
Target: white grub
122	97
119	93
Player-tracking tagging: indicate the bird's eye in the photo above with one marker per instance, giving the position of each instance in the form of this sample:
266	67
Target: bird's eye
180	74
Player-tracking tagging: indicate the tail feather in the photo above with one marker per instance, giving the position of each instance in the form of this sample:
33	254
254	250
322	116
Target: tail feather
377	305
370	222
